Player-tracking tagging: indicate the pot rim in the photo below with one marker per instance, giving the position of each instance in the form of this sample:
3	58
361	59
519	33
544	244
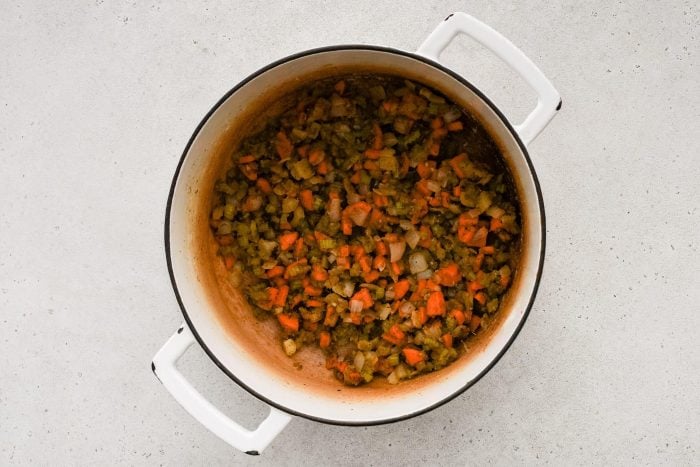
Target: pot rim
333	48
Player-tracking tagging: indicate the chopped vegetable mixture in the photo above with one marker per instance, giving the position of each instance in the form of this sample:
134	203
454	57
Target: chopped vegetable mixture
373	219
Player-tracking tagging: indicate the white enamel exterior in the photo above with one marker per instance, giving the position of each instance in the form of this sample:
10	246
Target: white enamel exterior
265	382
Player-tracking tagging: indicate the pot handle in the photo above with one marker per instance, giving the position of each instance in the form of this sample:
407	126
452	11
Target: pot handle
548	100
250	442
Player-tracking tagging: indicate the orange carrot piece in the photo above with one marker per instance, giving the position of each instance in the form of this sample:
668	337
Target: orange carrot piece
299	247
496	224
344	251
372	154
340	86
283	146
264	185
379	263
307	199
378	141
436	123
449	275
456	163
380	248
365	264
478	261
424	170
504	280
459	317
364	296
346	225
316	156
396	268
479	238
287	240
422	316
480	297
436	304
281	298
246	159
276	271
289	322
447	340
413	356
488	250
318	273
395	335
474	323
401	289
323	168
324	339
312	291
371	276
474	286
314	303
455	126
229	261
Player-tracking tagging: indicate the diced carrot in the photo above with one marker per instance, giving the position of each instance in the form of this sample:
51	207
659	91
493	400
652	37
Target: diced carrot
287	240
380	200
312	291
379	263
297	299
478	261
307	199
436	123
380	248
246	159
479	238
275	271
289	322
422	187
346	225
436	304
264	185
281	298
371	276
504	280
457	191
318	273
365	264
474	323
356	318
331	317
458	316
496	224
438	133
272	293
390	106
422	316
376	218
299	247
465	234
378	141
396	268
370	166
447	340
364	296
316	156
445	199
372	153
324	339
413	356
424	170
344	251
314	303
340	86
426	235
434	149
456	163
488	250
449	275
474	286
480	297
229	261
401	289
395	335
283	146
455	126
290	267
303	150
323	168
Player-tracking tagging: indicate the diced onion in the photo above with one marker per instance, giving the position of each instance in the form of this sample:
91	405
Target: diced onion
348	288
396	250
412	238
385	312
495	212
359	361
334	209
433	186
417	263
451	115
406	309
356	306
427	274
392	378
358	217
290	347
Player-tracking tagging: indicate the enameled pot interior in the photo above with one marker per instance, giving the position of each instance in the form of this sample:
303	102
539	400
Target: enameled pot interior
249	350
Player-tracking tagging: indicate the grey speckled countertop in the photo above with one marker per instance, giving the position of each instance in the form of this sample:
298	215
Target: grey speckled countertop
97	100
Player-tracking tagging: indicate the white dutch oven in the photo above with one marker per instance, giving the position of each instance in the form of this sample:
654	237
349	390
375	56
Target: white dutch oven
247	350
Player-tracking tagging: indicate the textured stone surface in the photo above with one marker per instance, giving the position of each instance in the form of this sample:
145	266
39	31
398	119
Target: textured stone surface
97	101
